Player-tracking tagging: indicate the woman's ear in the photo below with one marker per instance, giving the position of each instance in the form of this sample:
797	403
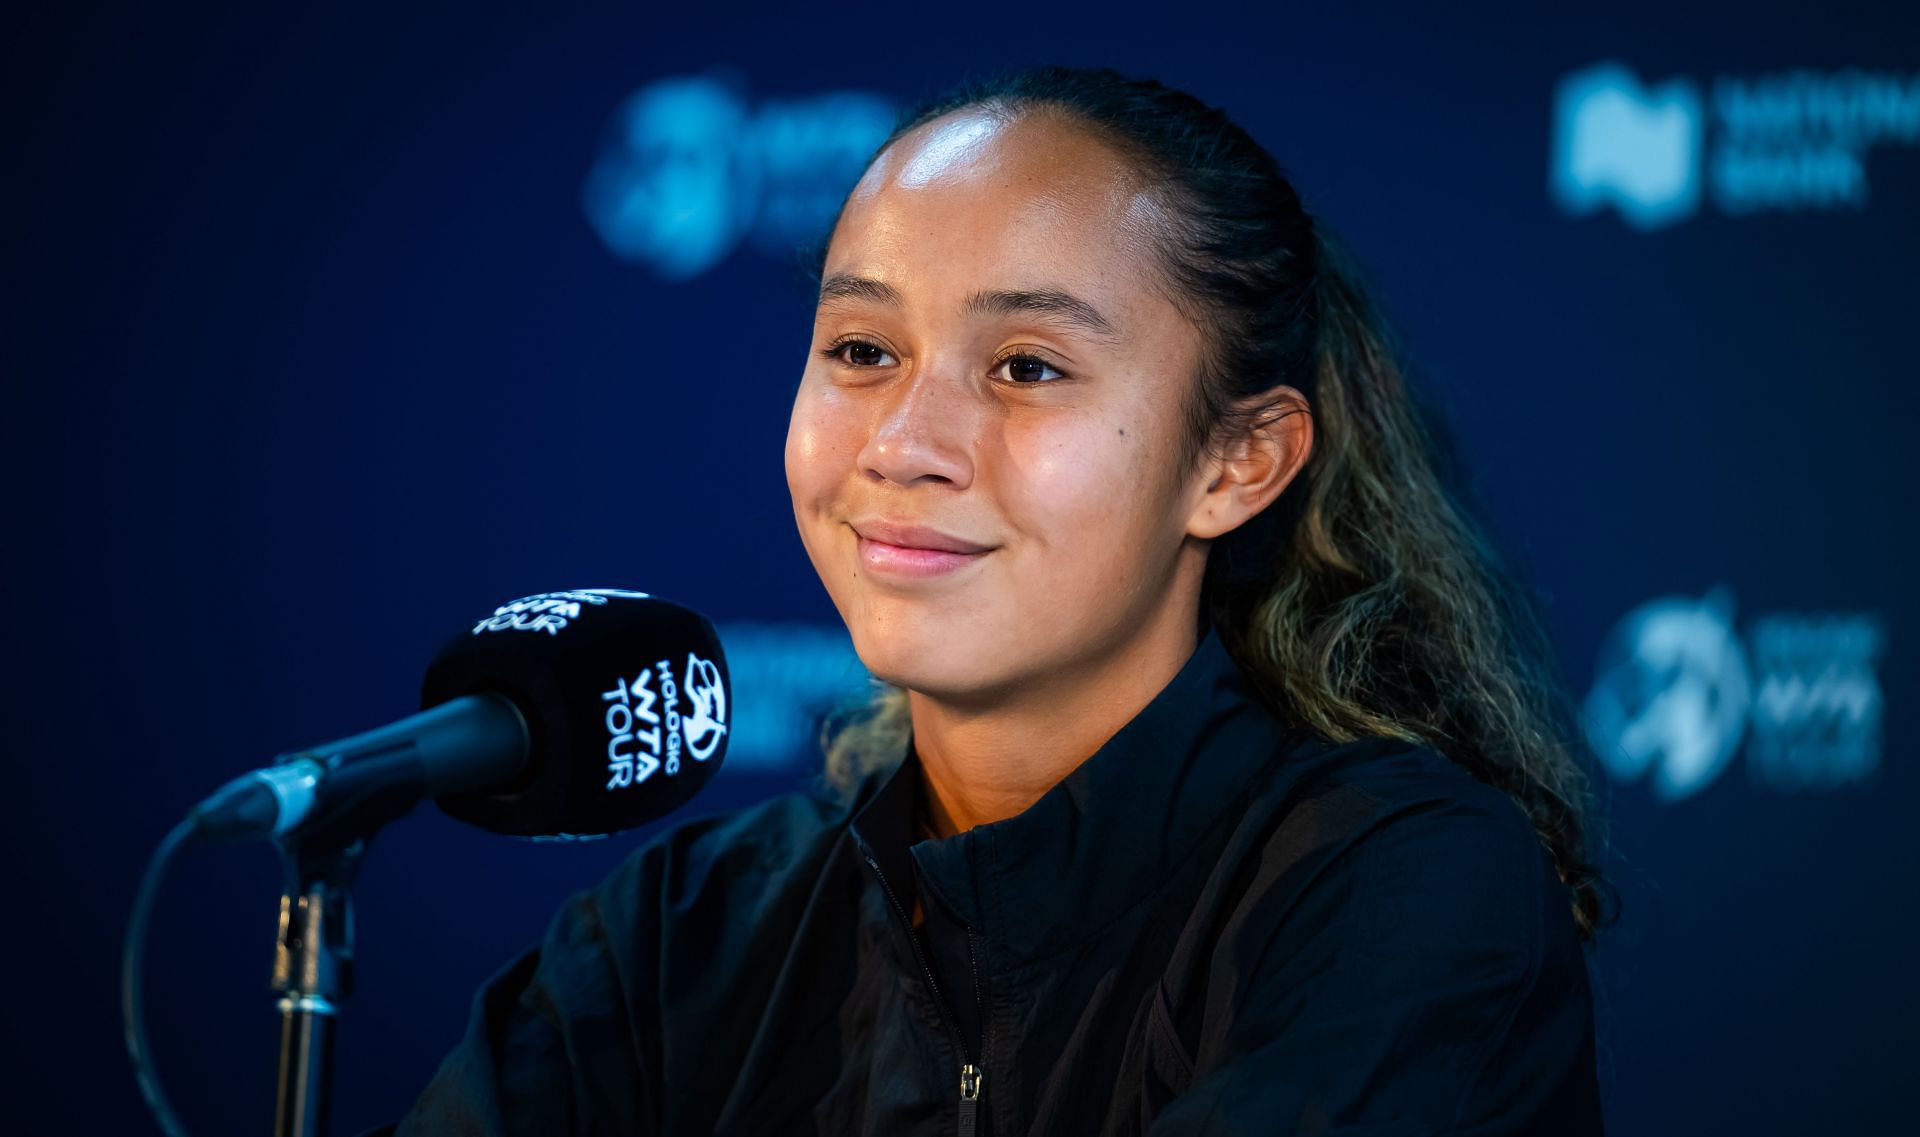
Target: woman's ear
1247	474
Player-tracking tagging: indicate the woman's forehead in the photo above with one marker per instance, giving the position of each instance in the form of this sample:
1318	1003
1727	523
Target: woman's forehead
975	148
974	205
954	146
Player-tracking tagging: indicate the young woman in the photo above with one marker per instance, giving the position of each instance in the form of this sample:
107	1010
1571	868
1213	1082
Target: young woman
1219	783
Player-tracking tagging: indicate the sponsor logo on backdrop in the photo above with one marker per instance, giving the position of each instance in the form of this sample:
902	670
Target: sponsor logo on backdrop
1784	142
1678	692
691	168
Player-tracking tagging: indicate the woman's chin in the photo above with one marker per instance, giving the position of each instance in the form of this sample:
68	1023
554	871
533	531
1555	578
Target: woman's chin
942	664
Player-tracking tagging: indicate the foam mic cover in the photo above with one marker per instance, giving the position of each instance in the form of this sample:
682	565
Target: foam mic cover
626	700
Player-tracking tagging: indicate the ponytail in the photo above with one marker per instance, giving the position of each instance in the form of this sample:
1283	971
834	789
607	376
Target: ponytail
1385	609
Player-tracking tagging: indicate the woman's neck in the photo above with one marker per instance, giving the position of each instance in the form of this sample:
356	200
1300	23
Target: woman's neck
984	765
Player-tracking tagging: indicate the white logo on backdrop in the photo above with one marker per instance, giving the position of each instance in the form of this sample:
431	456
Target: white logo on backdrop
1787	141
1670	694
1633	148
1676	692
690	170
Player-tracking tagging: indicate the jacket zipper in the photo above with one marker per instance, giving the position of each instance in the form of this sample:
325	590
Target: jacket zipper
986	1039
972	1077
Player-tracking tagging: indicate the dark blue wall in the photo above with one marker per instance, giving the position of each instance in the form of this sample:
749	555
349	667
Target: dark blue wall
313	351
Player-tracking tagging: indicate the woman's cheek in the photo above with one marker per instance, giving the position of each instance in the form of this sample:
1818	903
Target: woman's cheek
801	440
1083	482
815	449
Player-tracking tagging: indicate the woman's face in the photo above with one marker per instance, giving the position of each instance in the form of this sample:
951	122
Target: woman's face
984	449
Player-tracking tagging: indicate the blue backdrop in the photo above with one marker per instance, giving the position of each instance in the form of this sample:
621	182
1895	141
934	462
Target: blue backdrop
326	331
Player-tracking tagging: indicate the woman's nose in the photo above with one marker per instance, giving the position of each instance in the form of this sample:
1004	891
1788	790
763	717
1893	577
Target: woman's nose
922	431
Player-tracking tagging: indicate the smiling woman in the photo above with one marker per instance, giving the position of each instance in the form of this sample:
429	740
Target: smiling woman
971	391
1218	781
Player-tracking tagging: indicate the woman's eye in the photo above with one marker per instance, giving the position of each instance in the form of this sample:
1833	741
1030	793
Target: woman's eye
1020	368
858	353
1028	369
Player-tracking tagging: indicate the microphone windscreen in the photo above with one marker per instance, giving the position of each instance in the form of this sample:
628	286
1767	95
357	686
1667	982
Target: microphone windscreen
627	703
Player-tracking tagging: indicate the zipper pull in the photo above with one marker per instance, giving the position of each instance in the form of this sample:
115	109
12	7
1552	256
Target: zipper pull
971	1077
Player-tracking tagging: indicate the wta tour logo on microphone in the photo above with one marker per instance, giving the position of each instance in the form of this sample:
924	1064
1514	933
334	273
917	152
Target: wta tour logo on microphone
646	730
549	612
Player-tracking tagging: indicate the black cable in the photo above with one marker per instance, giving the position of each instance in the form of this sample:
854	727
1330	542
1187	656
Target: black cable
131	1010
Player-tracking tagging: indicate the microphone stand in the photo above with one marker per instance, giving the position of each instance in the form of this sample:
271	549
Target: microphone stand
313	975
313	960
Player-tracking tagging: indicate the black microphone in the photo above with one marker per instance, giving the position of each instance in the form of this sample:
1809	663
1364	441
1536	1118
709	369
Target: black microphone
563	715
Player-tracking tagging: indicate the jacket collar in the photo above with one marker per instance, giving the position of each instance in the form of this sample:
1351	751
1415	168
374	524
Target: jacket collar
1107	834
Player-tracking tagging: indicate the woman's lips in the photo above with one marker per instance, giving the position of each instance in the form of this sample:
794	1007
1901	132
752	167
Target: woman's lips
896	549
907	560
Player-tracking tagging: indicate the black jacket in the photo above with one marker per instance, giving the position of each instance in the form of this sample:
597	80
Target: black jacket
1213	925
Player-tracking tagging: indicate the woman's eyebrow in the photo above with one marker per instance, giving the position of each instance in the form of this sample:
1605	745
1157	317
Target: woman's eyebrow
1052	303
